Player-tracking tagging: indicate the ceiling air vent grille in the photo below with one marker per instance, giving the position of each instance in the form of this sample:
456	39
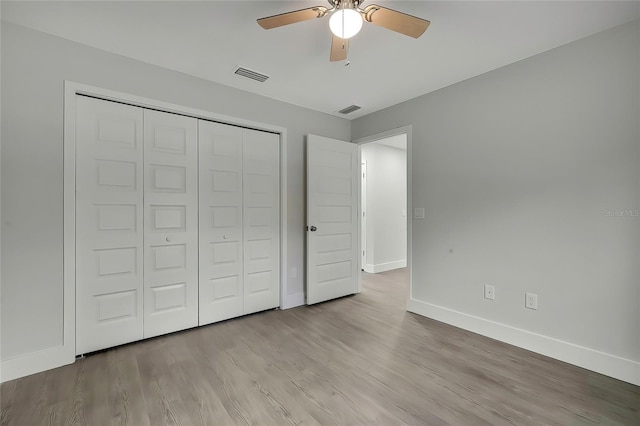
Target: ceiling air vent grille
349	109
253	75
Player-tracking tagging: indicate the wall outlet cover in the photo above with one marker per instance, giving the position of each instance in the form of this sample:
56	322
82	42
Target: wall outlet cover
489	292
531	301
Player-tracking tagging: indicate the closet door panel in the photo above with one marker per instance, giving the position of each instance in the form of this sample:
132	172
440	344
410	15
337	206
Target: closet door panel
220	189
261	220
171	223
109	232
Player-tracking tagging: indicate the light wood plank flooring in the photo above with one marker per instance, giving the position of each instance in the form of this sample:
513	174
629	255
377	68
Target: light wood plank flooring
359	360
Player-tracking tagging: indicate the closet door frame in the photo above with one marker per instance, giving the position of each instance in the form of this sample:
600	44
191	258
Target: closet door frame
67	352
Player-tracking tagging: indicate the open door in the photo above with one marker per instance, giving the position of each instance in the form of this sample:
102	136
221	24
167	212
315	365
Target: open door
333	170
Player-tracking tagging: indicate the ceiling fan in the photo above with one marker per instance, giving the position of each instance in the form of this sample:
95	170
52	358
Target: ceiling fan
346	20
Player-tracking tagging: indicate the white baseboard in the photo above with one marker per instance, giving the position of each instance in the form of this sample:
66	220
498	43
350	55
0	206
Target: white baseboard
292	300
600	362
35	362
383	267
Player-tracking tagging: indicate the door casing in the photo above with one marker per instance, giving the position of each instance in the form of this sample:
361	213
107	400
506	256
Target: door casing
383	135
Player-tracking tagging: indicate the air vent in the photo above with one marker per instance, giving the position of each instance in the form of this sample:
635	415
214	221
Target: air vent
349	109
253	75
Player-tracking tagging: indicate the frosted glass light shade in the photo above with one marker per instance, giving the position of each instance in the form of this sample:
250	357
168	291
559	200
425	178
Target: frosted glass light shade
352	23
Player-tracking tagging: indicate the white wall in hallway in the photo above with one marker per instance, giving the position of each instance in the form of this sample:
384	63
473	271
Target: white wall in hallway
386	198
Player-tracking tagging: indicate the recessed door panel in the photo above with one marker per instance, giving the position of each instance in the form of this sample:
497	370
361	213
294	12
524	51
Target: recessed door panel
116	217
108	224
116	306
225	217
259	249
257	184
169	178
117	130
259	283
335	185
169	297
222	297
116	175
222	181
257	217
261	225
170	139
220	192
332	243
116	261
172	256
222	259
165	218
171	224
225	288
225	253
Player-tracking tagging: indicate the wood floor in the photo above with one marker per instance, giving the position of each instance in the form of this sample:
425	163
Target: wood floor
359	360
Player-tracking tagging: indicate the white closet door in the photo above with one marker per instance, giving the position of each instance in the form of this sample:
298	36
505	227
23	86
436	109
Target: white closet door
221	279
171	223
261	200
108	224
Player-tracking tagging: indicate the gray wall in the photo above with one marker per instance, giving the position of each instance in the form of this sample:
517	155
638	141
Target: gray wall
386	202
529	176
34	66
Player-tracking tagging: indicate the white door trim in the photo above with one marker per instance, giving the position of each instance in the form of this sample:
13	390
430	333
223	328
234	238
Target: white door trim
362	213
387	134
66	353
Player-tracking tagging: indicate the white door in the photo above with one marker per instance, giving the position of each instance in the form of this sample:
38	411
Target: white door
261	219
171	222
363	217
221	270
333	170
109	262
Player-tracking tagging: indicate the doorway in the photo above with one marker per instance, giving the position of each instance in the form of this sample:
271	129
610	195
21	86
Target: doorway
384	204
384	212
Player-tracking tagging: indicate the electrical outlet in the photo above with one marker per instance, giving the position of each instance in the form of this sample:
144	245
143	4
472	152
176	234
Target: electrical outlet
531	301
489	292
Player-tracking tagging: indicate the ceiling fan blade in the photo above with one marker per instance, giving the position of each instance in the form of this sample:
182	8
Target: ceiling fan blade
395	21
339	49
292	17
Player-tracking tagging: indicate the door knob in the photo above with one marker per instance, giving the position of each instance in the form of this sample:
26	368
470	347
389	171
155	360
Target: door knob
313	228
168	239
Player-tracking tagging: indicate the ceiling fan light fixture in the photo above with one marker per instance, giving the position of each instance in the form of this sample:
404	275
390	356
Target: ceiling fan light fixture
345	23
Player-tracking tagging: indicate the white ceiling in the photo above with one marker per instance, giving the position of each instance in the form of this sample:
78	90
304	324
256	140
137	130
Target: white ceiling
208	39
